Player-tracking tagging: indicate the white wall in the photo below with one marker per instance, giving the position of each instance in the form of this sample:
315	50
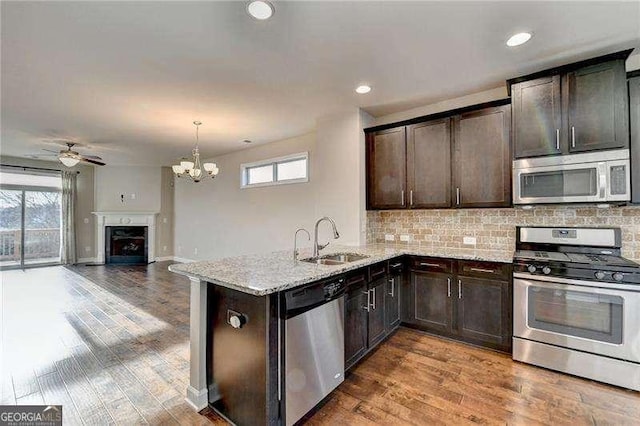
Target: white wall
215	219
140	185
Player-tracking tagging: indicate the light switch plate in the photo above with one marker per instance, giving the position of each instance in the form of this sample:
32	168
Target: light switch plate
405	238
389	237
469	241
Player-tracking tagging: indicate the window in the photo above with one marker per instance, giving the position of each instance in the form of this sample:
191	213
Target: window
276	171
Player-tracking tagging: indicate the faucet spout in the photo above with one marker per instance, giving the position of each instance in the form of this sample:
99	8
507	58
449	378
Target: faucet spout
316	246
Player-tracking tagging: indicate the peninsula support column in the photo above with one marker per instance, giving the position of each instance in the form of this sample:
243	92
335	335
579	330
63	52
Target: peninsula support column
197	395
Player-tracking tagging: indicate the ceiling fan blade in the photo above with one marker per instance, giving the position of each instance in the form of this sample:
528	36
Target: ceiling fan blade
51	150
88	160
92	157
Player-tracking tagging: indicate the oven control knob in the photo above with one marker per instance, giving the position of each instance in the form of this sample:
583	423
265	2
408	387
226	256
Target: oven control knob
531	268
618	276
600	275
546	270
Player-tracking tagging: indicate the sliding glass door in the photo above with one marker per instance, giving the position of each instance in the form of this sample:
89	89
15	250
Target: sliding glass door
30	220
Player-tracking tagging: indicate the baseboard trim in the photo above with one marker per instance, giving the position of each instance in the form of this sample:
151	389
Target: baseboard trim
183	259
87	260
197	399
165	258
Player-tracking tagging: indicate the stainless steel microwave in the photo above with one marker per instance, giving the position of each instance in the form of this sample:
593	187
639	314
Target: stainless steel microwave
593	177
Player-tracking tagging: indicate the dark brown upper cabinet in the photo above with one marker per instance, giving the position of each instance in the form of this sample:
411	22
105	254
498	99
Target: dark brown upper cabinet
570	109
537	117
387	168
482	158
597	108
429	164
634	113
423	154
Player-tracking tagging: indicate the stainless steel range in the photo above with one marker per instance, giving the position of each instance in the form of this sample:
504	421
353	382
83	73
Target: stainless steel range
577	304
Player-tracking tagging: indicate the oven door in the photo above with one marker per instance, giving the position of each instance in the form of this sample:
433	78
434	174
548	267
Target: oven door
565	183
596	320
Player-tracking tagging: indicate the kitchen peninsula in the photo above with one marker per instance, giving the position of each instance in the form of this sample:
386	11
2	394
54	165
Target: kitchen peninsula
238	314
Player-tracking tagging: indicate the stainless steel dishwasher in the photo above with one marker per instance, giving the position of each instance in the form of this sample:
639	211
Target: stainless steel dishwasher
314	345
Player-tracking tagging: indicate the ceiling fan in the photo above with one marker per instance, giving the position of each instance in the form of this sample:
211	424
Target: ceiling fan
70	158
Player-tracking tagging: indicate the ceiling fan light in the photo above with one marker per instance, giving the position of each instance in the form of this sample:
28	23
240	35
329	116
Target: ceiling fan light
187	165
177	169
209	167
68	161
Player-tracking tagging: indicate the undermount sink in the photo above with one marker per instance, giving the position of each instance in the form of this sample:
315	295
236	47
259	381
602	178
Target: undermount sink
335	259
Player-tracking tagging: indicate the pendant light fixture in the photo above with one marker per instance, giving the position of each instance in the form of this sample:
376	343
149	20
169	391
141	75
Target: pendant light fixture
192	167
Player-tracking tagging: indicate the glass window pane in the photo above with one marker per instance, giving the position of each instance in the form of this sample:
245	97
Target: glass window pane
13	178
10	227
296	169
42	217
260	174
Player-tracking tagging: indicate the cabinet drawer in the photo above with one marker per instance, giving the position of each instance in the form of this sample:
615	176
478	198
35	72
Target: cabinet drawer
377	271
484	269
356	278
431	264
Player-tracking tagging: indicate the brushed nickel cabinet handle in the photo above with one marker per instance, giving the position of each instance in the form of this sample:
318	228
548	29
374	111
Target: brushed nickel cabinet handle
433	265
557	139
411	197
393	286
368	306
395	265
459	289
488	271
448	287
402	196
374	298
458	196
573	137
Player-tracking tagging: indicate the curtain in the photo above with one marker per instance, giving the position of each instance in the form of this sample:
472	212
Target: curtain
69	180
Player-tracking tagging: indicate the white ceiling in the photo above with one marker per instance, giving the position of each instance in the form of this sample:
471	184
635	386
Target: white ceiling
129	78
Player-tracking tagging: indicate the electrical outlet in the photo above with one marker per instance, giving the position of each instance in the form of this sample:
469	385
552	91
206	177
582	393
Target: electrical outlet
195	250
164	248
405	238
389	237
133	196
469	241
164	220
87	249
86	220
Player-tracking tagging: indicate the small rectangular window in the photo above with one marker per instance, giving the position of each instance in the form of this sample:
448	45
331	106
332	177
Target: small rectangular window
275	171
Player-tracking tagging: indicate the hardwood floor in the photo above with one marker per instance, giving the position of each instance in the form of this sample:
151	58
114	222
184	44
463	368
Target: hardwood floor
110	343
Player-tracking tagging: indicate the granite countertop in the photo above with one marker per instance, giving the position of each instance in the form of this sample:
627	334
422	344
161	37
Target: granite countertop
263	274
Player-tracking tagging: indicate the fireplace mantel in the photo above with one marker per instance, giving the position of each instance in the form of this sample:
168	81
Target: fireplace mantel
116	218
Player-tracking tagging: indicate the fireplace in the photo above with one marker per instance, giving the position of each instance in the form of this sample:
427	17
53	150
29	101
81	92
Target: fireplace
126	244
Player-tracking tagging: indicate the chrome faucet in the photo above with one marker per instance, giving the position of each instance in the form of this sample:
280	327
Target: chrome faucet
317	247
295	242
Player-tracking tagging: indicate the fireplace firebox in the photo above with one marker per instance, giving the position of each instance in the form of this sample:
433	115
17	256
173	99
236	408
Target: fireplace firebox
126	244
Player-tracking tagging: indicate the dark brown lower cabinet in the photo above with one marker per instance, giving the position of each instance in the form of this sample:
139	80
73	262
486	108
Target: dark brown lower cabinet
432	301
372	309
476	308
484	312
355	323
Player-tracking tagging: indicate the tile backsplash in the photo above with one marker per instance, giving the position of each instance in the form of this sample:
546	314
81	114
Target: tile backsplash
494	229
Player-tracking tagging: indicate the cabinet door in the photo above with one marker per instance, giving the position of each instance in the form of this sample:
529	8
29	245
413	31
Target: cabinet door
537	117
355	324
376	311
484	311
386	168
429	164
432	301
634	112
597	107
482	158
392	302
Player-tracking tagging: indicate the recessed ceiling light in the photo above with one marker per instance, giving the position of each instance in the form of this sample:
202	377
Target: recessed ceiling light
518	39
260	9
363	89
